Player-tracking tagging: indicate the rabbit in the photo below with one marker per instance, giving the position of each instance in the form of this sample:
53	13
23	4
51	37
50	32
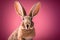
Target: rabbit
26	30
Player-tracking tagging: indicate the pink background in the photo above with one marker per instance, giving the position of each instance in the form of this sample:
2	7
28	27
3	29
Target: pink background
46	21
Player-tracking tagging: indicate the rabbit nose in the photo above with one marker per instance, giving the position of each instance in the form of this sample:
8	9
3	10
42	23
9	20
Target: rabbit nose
27	25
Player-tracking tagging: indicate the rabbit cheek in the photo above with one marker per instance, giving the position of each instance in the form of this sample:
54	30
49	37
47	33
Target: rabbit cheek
31	27
23	26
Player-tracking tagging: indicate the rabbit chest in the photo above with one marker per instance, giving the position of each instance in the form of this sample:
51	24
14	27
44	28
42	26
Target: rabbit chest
28	34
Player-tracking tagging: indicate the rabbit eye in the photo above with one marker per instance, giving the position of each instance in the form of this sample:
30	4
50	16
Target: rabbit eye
23	18
31	18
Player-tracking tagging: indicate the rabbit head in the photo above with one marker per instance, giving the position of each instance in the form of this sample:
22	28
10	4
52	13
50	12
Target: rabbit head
27	19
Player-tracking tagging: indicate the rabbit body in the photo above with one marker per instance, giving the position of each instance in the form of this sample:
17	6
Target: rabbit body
22	34
13	36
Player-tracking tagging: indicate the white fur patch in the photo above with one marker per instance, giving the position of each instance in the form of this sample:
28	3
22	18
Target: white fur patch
28	38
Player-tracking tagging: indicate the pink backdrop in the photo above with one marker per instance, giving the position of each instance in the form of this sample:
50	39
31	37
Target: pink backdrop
46	21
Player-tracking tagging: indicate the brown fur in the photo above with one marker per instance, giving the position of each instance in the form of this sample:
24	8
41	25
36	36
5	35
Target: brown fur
26	30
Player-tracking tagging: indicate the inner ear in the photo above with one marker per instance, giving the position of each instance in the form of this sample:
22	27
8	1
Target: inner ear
19	8
34	10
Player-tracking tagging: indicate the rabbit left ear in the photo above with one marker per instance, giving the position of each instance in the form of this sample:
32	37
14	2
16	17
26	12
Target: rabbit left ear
19	8
34	10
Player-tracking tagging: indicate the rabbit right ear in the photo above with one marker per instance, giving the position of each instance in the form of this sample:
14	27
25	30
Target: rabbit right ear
19	8
34	10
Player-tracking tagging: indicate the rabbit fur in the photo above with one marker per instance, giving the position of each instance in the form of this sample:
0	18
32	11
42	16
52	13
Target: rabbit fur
26	30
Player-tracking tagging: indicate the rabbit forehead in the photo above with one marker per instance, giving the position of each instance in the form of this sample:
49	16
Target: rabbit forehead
27	17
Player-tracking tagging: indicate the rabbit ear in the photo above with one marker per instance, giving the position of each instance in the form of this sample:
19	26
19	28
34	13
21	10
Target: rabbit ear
19	8
34	10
